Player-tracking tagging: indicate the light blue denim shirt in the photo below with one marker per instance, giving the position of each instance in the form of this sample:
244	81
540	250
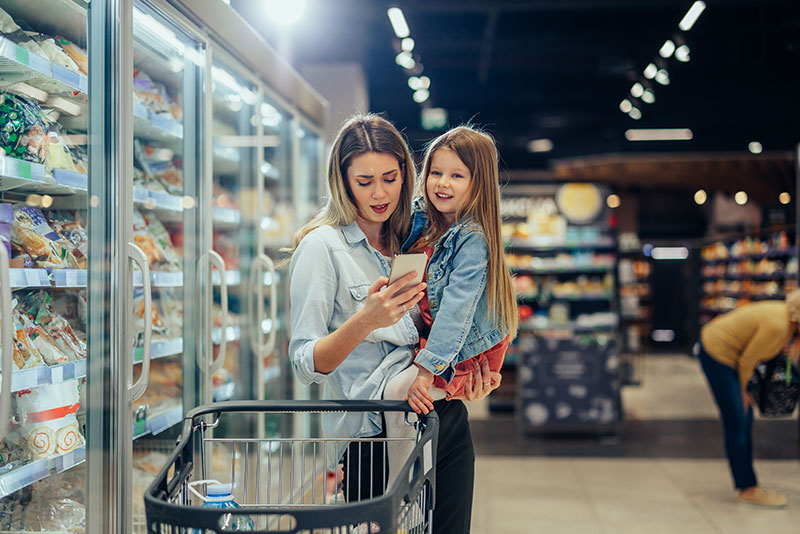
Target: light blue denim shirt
456	277
331	272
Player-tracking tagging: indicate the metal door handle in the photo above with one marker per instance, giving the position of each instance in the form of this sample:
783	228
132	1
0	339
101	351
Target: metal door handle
261	263
215	260
140	258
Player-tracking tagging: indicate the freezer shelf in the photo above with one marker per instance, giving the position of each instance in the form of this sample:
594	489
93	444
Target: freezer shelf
232	278
26	475
160	349
43	376
226	217
19	174
157	200
158	423
19	64
159	279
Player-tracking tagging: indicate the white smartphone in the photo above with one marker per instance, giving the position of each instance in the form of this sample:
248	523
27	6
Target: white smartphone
402	264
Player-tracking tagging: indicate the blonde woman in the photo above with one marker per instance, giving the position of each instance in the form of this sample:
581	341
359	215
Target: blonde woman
348	332
731	347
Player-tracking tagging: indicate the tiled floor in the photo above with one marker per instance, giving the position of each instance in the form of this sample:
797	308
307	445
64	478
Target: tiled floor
652	495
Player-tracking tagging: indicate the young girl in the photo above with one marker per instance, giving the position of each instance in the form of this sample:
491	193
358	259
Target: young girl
470	309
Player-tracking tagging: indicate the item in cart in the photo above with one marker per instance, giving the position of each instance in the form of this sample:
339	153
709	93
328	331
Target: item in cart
166	170
22	128
48	425
76	53
32	233
70	225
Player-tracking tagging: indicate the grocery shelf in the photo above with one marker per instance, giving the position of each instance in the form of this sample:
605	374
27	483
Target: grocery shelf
46	375
16	479
777	276
232	278
232	333
745	295
70	278
226	217
594	269
152	127
164	420
160	279
517	246
19	64
571	327
21	278
569	298
157	200
160	349
787	253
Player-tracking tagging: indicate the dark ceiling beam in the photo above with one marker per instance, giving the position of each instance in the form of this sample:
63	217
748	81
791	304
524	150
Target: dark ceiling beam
473	6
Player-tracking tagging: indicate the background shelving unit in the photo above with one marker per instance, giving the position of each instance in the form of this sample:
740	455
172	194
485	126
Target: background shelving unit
634	279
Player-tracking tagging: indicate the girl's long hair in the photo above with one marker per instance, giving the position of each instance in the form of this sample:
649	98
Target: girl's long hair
363	134
478	152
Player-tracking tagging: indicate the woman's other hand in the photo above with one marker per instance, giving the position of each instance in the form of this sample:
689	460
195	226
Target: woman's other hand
383	307
483	382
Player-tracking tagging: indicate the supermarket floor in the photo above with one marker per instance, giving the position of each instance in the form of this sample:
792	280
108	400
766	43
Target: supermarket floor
665	474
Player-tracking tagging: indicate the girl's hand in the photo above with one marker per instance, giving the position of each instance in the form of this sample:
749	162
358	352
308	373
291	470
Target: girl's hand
419	398
383	308
483	382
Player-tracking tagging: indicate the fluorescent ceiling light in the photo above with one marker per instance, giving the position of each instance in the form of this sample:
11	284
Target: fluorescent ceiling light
637	90
398	21
540	145
625	106
648	96
670	253
635	114
691	16
663	335
662	76
667	49
659	134
700	197
650	71
682	54
405	60
407	44
424	82
421	95
755	147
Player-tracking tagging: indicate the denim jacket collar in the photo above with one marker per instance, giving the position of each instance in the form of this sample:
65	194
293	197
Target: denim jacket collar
353	233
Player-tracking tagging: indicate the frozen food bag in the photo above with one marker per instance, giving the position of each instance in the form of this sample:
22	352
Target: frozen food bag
40	307
146	241
162	237
48	426
71	227
159	327
23	130
42	342
32	233
26	355
75	52
7	24
53	52
165	170
58	155
151	94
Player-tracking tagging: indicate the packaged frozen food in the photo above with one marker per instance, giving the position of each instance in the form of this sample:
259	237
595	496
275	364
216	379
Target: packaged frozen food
159	328
58	155
48	426
23	130
71	227
162	237
152	94
141	179
7	24
146	241
156	164
75	52
172	309
53	52
80	159
31	232
26	355
68	305
40	307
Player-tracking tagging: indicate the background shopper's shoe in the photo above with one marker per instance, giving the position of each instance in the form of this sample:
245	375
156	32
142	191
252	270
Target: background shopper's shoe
763	497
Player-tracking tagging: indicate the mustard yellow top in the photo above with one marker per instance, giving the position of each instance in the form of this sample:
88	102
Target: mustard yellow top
748	335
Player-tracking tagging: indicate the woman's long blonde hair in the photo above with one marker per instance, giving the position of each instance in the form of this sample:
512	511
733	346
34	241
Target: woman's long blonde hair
363	134
478	152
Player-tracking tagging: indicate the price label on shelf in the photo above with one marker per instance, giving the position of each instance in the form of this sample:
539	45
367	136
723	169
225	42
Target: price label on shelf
72	277
31	277
56	375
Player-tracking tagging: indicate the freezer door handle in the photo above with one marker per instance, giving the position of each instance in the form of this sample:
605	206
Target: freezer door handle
261	264
215	260
7	341
140	258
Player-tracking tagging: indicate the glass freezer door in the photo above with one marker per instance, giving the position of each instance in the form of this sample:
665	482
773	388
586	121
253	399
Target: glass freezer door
44	254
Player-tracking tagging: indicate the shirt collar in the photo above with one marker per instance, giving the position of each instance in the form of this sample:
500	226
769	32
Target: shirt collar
353	233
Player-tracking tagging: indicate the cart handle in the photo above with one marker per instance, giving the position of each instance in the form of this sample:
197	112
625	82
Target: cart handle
288	406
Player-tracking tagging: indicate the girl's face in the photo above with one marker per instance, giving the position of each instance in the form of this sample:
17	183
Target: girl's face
448	183
376	180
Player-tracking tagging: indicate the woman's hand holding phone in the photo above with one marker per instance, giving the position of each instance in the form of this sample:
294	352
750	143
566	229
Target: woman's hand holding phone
384	307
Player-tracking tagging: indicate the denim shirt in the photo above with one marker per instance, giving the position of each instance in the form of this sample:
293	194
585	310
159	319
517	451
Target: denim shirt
331	272
456	277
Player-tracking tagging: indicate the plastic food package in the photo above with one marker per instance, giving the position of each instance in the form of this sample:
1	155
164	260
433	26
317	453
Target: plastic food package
7	24
167	171
68	305
26	355
53	52
172	308
31	232
141	179
48	426
41	308
58	155
145	240
69	225
23	130
159	328
76	53
162	237
80	159
151	94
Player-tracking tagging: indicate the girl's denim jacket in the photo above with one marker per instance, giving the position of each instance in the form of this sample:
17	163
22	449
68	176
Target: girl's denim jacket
456	279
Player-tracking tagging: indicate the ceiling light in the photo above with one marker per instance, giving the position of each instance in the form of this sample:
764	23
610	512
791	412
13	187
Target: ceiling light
667	49
398	21
421	95
700	197
613	201
691	16
540	145
682	54
784	198
650	71
662	76
424	82
414	83
635	114
670	253
285	13
659	134
740	198
625	106
405	60
637	90
407	44
755	147
648	97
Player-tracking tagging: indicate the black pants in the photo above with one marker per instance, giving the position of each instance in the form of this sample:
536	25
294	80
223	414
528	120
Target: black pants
455	470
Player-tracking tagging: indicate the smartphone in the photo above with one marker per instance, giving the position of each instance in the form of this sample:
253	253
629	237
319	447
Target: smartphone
402	264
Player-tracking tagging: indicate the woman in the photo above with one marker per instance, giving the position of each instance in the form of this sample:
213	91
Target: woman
350	333
731	346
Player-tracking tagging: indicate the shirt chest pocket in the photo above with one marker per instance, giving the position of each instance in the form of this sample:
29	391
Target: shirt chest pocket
358	296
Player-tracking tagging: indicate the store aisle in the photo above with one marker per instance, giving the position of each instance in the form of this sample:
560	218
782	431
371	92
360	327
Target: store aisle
621	496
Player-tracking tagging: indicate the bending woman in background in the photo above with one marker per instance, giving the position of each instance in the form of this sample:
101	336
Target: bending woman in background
731	347
346	332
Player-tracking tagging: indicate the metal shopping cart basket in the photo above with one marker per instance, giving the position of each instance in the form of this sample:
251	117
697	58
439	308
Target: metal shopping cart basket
296	484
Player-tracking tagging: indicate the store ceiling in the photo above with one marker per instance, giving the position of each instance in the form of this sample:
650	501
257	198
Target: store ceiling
558	69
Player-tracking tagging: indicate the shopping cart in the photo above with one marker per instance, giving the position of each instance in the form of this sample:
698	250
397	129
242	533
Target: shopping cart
296	484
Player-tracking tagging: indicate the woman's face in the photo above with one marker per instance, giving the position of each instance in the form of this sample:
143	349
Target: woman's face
376	180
